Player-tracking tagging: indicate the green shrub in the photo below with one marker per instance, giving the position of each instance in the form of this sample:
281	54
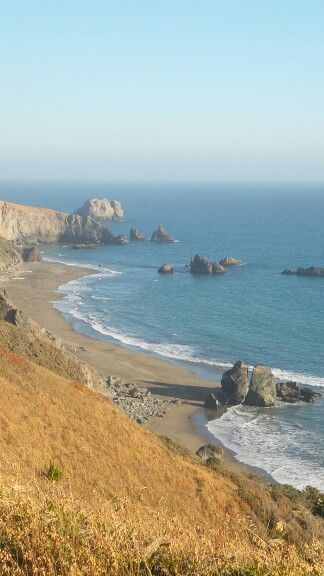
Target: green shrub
53	472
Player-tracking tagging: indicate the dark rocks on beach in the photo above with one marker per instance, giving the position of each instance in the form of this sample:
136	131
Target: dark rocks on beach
137	402
31	254
230	261
108	237
161	235
136	234
212	402
311	271
262	391
235	384
209	453
166	269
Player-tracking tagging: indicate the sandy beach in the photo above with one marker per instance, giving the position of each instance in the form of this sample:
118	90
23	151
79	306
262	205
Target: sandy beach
34	288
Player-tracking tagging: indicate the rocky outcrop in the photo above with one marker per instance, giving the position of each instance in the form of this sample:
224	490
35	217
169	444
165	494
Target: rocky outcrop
28	225
107	237
209	453
311	271
101	209
31	254
161	235
200	265
166	269
10	257
230	261
136	234
291	392
262	390
212	402
235	384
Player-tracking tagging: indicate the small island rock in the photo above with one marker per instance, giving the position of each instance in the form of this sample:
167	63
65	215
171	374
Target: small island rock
161	235
200	265
166	269
311	271
136	234
230	261
101	209
218	268
235	384
262	391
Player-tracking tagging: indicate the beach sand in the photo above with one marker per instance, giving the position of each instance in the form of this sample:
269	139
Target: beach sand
34	289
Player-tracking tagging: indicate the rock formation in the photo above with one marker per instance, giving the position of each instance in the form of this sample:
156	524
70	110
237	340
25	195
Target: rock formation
230	261
262	390
10	256
291	392
161	235
311	271
32	254
209	453
200	265
235	384
29	225
212	402
136	234
101	209
165	269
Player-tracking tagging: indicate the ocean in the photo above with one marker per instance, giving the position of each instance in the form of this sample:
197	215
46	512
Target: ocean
252	313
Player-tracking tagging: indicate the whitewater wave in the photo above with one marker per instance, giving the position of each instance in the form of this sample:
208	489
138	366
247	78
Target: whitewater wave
97	268
268	441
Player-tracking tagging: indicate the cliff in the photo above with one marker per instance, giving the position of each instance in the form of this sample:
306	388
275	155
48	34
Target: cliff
28	225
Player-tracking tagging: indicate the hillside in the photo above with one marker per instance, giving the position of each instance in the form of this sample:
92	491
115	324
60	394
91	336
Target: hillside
123	490
10	256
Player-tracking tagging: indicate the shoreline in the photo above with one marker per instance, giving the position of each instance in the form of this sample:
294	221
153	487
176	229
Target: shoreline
184	422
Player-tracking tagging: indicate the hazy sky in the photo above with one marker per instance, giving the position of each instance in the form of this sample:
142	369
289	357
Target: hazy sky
211	90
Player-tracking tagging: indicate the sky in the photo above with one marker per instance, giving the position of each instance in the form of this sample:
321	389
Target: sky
162	90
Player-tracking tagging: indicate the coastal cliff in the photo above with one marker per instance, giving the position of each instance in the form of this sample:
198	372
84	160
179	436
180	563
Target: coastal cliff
30	225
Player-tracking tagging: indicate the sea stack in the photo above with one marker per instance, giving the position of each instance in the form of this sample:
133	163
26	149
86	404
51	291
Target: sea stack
161	235
136	234
235	384
101	209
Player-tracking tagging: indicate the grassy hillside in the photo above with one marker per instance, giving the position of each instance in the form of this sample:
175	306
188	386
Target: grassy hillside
126	502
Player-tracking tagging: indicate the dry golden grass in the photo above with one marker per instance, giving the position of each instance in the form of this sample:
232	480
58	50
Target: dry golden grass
127	503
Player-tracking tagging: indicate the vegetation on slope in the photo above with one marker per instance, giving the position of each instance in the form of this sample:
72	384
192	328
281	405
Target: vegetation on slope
124	502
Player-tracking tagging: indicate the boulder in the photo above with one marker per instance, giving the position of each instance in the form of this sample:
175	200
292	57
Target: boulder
230	261
211	402
107	237
31	254
262	391
209	452
165	269
288	391
218	269
235	384
135	235
309	395
101	209
200	265
161	235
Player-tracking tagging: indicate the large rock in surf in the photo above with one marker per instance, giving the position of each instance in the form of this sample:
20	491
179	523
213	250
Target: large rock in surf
212	402
166	269
136	234
262	391
288	391
311	271
230	261
101	209
31	254
161	235
200	265
235	384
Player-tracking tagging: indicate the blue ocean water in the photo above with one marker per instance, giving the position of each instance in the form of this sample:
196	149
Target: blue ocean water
252	313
